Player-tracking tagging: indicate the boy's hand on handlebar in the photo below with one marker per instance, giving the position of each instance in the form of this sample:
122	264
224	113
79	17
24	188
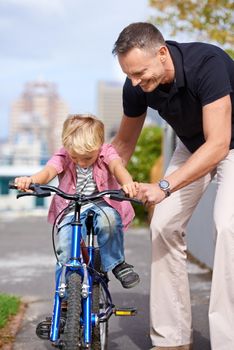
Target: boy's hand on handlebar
23	183
131	188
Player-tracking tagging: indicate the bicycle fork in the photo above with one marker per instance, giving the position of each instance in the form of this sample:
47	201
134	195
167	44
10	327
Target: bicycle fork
74	264
88	320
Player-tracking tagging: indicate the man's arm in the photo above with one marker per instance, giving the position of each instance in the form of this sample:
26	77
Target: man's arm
127	136
217	131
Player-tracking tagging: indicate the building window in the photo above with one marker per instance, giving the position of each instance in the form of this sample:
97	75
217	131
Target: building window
39	202
4	181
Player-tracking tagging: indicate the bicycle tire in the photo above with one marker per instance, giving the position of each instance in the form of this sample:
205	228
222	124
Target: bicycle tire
72	329
100	331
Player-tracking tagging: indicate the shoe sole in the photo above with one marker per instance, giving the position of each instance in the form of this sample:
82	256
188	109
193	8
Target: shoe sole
131	285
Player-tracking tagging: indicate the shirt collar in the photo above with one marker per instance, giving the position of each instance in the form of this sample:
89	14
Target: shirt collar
178	63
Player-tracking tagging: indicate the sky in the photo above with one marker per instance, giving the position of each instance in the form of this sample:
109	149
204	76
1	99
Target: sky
68	42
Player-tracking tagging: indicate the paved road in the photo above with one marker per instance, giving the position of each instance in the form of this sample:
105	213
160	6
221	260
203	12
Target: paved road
27	270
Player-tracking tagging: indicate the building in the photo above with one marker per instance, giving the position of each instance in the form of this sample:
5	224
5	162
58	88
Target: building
110	109
8	200
109	101
36	120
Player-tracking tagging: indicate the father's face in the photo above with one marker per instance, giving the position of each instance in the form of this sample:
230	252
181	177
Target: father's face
144	68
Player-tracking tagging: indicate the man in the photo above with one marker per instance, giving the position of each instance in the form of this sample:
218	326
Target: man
191	85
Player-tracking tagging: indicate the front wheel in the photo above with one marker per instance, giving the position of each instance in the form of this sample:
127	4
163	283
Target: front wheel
72	328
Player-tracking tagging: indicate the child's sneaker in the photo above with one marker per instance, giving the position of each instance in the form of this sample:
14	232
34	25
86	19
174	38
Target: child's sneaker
125	274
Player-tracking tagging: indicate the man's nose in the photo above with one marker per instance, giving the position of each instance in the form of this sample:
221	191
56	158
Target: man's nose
135	81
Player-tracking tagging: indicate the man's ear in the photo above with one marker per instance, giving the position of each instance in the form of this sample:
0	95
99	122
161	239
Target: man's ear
163	53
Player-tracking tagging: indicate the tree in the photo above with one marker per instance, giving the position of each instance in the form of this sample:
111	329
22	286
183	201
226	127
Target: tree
208	20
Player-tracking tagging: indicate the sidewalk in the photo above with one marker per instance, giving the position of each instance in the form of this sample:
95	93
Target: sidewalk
26	246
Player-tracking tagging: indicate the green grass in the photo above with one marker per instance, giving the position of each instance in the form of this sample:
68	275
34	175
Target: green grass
9	305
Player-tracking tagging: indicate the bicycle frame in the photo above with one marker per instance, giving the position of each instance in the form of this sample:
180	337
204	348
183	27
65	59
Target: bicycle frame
77	264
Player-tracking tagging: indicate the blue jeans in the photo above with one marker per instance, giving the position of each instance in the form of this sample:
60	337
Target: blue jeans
110	238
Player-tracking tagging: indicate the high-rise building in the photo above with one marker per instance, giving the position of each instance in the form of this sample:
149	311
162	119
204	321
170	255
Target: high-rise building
36	120
110	109
110	106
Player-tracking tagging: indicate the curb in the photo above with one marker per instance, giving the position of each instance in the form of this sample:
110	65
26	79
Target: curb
8	333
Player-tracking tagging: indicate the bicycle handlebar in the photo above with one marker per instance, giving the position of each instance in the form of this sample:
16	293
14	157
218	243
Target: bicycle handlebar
46	190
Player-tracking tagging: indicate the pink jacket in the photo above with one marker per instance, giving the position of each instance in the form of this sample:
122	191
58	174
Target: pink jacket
66	170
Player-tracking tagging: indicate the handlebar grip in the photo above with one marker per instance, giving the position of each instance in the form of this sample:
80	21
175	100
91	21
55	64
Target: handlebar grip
121	196
12	186
136	201
37	191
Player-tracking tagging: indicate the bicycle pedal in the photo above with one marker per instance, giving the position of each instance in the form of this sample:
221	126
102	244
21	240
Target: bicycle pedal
44	327
128	311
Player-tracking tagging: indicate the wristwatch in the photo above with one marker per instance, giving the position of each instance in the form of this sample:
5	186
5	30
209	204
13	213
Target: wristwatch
165	187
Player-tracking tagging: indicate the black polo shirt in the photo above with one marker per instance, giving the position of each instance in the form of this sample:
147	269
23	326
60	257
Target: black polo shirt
203	74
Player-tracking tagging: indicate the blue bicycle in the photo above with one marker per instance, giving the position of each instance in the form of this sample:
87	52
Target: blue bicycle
82	300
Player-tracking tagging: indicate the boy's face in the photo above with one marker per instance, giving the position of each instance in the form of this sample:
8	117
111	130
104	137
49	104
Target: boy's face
84	160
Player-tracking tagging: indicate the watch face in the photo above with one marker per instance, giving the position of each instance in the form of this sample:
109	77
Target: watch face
164	184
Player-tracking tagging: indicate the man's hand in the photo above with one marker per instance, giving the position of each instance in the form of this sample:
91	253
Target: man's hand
150	194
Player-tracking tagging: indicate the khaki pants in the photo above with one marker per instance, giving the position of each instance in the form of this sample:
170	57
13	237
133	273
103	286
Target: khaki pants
170	308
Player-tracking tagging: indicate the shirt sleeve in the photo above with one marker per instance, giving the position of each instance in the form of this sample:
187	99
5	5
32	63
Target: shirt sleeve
108	153
134	100
213	80
58	160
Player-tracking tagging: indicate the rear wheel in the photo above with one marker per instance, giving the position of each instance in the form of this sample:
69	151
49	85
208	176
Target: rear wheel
100	331
72	329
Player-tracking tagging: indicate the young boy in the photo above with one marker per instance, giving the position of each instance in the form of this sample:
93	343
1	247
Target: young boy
86	165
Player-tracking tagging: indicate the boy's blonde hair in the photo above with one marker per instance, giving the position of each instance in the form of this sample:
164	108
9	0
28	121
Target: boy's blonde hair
82	133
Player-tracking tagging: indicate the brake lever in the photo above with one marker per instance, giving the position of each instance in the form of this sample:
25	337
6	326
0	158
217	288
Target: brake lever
40	192
22	194
37	191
